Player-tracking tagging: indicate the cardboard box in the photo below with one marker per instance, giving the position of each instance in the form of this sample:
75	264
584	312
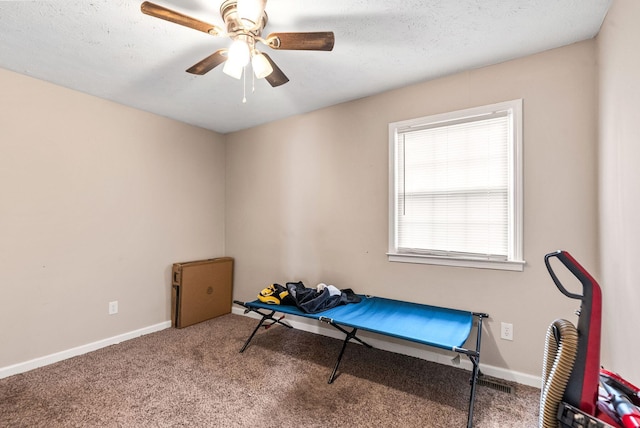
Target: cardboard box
201	290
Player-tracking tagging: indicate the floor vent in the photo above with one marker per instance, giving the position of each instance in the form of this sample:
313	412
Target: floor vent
495	385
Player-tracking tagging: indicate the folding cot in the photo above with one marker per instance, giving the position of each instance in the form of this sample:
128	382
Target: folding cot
429	325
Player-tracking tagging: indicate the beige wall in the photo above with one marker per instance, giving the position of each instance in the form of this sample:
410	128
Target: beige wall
100	199
97	201
307	198
620	187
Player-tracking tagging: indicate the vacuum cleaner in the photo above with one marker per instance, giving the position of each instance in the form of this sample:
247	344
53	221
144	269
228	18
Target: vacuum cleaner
576	392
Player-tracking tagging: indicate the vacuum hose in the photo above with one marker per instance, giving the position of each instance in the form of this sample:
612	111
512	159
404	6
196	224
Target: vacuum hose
560	350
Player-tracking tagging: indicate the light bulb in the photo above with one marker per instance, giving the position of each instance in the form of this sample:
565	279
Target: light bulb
261	66
239	53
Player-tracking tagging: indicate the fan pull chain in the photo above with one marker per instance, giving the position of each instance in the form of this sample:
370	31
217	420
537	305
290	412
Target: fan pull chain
253	81
244	85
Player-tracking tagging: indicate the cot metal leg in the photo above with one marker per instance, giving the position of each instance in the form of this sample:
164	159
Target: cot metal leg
474	382
265	317
475	360
344	346
349	335
252	334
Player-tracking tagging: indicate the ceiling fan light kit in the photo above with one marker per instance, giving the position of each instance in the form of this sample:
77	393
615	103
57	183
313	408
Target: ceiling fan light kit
244	21
233	69
261	67
239	52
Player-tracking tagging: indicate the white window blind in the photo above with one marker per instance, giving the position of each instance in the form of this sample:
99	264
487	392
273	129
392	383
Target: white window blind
454	186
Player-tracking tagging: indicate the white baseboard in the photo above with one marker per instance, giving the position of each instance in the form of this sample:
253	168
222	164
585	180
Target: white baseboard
417	351
63	355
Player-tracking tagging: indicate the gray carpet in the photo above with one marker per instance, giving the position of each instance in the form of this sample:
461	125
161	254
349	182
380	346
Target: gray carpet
195	377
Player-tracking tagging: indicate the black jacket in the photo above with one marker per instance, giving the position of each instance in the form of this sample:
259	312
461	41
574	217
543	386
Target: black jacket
311	301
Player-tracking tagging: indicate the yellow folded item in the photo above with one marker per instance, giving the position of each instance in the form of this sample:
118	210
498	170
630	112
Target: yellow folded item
273	294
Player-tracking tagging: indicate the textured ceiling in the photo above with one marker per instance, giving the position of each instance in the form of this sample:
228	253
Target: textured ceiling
109	49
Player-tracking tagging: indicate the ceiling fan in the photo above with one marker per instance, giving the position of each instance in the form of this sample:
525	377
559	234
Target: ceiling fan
244	21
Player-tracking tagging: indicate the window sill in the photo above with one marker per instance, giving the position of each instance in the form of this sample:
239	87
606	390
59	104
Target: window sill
511	265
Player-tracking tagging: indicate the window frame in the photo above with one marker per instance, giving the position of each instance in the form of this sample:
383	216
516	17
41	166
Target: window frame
515	260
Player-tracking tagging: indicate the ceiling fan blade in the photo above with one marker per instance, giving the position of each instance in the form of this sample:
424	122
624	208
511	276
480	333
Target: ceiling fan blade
209	63
277	77
162	12
315	41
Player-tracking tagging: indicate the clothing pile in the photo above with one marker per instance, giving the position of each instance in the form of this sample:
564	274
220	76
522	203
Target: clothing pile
309	300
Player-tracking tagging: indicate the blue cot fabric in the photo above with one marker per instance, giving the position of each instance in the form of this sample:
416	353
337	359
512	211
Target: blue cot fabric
430	325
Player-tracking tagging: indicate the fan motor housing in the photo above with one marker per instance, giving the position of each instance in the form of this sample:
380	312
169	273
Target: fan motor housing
235	25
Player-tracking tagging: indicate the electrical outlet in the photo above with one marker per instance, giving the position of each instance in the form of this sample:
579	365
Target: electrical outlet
506	331
113	307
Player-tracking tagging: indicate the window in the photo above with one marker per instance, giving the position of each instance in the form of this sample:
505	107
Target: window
455	185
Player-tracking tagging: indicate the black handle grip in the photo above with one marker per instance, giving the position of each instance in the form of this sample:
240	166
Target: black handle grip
569	263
